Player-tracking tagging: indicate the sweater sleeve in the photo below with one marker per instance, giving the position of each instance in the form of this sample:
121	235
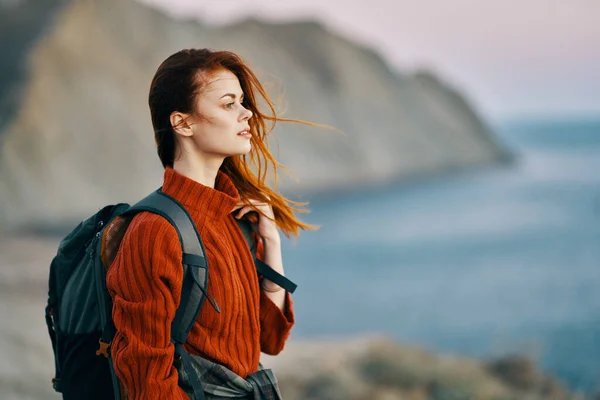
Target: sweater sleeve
145	283
275	324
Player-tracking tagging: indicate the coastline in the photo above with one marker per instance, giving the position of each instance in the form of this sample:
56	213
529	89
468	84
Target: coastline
369	365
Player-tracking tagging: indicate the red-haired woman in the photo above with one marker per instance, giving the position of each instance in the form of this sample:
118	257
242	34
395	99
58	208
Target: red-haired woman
207	126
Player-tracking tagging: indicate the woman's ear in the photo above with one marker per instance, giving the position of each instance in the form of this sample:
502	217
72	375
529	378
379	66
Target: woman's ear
179	122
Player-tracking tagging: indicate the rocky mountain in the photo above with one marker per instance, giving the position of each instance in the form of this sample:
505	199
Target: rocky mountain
21	24
77	132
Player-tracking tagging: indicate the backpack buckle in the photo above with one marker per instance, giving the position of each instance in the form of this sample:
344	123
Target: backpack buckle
103	349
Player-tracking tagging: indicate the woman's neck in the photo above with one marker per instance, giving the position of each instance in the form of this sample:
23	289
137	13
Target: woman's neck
201	171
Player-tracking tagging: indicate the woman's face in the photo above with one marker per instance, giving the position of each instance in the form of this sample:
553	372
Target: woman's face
220	126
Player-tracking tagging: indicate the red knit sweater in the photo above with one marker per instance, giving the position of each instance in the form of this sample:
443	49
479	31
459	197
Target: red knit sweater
145	282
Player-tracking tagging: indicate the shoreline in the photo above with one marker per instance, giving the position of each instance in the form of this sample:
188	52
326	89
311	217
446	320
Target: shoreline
351	366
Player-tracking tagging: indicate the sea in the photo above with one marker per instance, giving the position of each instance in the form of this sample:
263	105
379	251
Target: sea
482	263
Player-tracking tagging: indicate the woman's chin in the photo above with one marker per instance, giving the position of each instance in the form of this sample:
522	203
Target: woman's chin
247	148
242	150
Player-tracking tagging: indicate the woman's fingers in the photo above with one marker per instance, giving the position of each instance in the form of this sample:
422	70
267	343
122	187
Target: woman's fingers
240	205
256	205
243	211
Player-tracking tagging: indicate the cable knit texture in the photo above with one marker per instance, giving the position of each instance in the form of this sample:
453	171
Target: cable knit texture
145	282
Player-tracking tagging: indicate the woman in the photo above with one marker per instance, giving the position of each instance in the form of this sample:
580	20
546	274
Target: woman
205	117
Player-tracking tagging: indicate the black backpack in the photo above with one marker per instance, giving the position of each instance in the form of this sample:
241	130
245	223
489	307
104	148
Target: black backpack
79	310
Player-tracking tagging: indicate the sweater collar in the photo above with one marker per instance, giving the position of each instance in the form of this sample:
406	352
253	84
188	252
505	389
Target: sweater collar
214	203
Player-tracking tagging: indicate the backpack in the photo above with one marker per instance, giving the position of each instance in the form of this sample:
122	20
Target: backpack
79	309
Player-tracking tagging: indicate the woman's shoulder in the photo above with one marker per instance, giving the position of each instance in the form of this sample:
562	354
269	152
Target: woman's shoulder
149	225
145	229
147	238
148	243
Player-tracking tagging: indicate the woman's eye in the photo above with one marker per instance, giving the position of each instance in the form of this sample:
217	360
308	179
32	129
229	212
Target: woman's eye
229	105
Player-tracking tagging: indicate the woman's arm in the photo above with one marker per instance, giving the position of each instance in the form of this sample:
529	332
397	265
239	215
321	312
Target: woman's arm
268	247
273	258
276	310
145	283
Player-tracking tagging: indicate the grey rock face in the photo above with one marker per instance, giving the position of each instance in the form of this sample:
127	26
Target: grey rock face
82	136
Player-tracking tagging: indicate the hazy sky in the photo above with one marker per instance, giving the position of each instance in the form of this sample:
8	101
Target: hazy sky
508	56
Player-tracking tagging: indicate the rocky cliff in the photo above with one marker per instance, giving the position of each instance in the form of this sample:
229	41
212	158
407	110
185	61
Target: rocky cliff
81	136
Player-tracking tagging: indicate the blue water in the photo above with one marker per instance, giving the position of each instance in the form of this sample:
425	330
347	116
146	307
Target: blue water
484	263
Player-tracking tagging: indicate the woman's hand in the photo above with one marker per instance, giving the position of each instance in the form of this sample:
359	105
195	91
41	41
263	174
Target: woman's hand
267	228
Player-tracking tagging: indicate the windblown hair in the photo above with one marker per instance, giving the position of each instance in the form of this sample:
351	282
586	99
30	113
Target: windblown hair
175	87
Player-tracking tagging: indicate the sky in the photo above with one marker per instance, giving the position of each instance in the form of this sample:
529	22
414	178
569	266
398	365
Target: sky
510	58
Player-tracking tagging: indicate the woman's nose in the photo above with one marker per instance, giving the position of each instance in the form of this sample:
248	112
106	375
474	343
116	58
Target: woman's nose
247	114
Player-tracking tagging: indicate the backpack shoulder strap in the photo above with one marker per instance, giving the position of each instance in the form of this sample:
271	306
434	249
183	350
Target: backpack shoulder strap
195	275
246	228
195	267
261	267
